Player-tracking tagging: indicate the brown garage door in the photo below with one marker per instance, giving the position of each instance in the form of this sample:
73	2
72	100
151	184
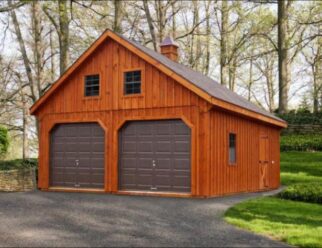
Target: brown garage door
77	156
155	156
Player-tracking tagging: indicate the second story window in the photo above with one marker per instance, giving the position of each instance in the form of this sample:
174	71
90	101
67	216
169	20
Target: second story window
132	82
92	85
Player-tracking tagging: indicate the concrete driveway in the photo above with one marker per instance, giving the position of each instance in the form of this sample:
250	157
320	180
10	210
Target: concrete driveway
77	219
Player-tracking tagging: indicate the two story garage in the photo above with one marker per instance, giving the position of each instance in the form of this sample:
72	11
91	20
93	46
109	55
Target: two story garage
128	120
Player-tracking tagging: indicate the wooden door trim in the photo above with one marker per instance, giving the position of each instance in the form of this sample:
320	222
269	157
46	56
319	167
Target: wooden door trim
54	123
154	118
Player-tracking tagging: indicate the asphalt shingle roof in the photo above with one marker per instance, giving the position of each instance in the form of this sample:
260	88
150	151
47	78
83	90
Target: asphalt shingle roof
203	82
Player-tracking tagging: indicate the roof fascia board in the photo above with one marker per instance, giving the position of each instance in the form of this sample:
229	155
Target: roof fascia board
68	72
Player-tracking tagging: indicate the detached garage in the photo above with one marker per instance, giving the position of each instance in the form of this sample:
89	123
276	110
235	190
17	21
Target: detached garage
125	119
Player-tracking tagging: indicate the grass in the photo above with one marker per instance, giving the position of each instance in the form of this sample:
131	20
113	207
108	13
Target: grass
297	223
301	167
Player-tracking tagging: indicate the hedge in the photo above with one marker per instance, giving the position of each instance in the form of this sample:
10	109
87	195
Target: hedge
302	118
18	164
308	192
301	143
4	140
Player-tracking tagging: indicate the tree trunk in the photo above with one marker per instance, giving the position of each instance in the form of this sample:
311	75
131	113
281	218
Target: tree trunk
161	16
250	82
208	32
192	58
150	23
283	72
232	74
174	23
63	35
37	45
316	68
117	16
24	129
223	43
23	51
270	87
198	42
52	59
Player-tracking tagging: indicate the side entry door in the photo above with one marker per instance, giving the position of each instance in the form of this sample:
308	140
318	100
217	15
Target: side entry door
263	161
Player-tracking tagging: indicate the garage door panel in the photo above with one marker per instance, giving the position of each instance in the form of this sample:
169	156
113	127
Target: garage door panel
129	163
162	180
96	163
144	146
163	146
129	146
60	140
98	147
181	129
83	146
181	146
85	131
166	142
128	181
144	172
142	129
163	163
144	178
98	132
181	181
58	147
129	131
182	164
143	163
77	155
94	178
163	129
84	155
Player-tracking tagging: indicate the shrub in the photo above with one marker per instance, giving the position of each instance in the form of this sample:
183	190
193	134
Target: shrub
18	164
308	192
301	143
302	118
4	140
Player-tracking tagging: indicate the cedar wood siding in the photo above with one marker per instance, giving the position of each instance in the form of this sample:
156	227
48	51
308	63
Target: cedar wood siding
244	175
161	98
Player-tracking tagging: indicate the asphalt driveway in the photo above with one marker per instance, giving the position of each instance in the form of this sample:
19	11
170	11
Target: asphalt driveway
77	219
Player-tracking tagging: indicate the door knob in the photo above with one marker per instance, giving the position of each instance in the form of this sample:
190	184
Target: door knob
153	163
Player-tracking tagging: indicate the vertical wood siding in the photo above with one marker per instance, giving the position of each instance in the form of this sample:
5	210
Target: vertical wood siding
244	175
161	98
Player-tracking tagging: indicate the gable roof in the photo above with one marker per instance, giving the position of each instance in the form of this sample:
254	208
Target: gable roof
205	87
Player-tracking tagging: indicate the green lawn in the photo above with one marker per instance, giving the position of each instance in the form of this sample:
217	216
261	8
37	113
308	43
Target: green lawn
301	167
296	223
